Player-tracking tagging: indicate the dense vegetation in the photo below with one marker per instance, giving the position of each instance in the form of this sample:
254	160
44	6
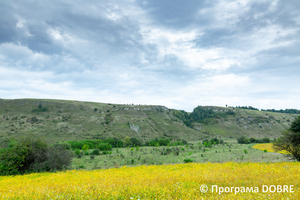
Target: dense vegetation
93	144
202	115
59	120
245	140
247	107
290	140
40	108
31	154
289	111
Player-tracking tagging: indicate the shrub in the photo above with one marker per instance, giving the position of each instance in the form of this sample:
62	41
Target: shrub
63	145
135	141
266	140
85	147
95	152
188	160
81	166
253	140
184	142
104	146
32	154
243	140
40	108
57	159
127	141
77	152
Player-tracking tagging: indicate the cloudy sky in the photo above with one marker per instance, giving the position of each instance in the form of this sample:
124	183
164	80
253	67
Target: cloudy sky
177	53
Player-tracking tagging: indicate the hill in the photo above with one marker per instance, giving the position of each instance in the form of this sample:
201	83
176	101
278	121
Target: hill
59	120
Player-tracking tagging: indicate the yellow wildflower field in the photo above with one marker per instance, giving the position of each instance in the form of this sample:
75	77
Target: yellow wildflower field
179	181
268	147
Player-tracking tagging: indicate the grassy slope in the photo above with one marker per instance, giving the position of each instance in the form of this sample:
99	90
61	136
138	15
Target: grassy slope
75	120
254	123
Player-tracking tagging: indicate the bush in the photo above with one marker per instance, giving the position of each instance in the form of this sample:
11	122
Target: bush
95	152
81	166
243	140
104	147
160	142
127	141
57	159
259	140
266	140
253	140
105	152
40	108
31	154
184	142
79	144
135	142
63	145
188	160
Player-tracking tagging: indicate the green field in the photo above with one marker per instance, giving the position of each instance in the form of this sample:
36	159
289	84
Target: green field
196	152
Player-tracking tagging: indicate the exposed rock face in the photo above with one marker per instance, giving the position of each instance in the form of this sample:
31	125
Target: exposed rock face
161	108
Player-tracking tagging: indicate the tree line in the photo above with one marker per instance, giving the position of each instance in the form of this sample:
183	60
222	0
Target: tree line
201	115
289	111
245	140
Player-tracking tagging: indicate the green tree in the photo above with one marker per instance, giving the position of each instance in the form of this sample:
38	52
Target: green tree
104	147
12	159
31	154
290	140
127	141
77	152
85	147
295	126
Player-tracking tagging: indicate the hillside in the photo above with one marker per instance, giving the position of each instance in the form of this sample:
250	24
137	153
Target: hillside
75	120
59	120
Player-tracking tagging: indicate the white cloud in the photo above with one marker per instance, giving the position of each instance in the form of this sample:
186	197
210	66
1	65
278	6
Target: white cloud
119	52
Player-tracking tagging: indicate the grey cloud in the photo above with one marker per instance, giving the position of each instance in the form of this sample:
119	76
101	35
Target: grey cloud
216	38
174	13
103	50
258	15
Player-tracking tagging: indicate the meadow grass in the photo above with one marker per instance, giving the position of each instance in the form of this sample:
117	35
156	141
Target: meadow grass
178	181
231	151
269	147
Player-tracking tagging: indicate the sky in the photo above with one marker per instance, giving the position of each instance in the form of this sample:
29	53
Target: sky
175	53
